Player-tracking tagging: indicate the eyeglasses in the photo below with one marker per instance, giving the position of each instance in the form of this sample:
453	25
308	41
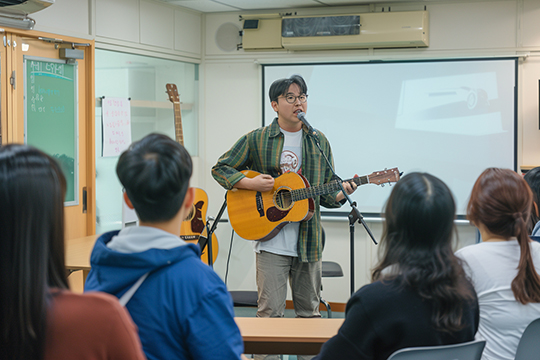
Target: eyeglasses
291	99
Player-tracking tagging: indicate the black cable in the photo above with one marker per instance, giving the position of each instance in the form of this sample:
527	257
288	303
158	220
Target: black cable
229	257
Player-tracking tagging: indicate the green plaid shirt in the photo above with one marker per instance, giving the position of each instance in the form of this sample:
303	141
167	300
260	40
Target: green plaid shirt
260	150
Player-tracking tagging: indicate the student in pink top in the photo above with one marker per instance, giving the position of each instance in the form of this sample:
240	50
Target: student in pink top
39	317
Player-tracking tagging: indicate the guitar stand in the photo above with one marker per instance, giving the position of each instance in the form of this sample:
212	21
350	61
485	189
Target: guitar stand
210	232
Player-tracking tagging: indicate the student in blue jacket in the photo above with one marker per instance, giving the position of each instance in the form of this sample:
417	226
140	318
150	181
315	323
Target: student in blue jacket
182	308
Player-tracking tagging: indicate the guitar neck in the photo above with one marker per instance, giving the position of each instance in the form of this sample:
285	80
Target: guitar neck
313	191
179	134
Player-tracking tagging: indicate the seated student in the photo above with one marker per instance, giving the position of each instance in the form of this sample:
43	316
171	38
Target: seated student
533	179
504	266
183	309
39	317
419	295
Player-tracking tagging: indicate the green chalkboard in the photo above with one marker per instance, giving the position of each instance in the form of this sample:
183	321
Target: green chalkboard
51	114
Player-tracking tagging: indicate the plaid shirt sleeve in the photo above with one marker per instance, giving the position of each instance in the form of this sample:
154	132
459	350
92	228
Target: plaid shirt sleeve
227	170
258	150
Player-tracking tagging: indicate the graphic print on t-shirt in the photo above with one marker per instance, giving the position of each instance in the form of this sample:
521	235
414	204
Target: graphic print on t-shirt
289	161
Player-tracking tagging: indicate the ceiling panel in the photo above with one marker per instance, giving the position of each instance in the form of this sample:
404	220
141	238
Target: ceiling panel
203	5
245	5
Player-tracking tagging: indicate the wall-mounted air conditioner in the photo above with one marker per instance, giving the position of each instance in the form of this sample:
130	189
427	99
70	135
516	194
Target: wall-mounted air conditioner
23	7
369	30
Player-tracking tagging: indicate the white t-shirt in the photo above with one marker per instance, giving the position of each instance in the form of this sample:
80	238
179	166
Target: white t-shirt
286	241
492	266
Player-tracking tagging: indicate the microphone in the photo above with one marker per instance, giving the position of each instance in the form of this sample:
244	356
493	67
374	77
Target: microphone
302	117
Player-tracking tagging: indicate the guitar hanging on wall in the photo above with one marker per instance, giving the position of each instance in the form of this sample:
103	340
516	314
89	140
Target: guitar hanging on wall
193	228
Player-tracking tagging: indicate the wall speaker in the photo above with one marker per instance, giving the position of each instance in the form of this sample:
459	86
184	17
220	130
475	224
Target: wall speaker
228	37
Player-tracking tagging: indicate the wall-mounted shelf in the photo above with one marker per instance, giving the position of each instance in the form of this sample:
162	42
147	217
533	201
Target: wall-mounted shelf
159	104
148	104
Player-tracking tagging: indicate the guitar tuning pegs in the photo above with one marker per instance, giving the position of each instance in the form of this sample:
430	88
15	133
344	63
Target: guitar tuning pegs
382	184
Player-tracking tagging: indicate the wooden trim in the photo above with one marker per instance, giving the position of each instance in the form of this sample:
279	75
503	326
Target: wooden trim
36	33
89	54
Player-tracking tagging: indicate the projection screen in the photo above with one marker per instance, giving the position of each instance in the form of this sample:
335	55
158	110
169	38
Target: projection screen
450	118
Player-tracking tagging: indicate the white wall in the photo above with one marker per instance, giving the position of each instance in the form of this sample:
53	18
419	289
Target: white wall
140	26
232	91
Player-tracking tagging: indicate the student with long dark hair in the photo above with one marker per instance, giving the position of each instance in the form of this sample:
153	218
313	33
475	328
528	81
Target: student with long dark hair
419	295
504	266
39	317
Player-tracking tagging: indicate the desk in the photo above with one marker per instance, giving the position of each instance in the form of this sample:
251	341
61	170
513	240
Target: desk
78	254
293	336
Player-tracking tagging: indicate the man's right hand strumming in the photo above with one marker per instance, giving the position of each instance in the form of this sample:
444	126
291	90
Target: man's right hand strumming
261	183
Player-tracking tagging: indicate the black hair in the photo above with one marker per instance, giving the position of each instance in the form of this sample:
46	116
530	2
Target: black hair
155	173
417	247
532	177
281	86
32	191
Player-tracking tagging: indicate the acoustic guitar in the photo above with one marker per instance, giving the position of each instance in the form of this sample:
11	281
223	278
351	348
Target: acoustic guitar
193	228
256	215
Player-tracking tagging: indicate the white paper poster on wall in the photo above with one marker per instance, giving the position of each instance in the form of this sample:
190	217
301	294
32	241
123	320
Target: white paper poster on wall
116	125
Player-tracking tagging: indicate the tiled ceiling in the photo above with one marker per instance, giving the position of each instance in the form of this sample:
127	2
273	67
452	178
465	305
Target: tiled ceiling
245	5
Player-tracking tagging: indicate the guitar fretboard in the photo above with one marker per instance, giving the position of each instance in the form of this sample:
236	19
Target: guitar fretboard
313	191
179	134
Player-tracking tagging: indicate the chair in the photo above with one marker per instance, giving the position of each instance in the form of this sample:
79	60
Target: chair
329	269
244	298
471	350
528	347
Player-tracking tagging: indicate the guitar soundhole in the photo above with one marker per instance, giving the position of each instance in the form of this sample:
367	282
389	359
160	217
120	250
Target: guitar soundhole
283	199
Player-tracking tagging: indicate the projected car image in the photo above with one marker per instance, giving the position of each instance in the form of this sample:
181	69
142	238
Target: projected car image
458	104
473	98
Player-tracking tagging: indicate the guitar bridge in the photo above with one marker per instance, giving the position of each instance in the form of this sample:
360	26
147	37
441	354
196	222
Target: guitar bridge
259	202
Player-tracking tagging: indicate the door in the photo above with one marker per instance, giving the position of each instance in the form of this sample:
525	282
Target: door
53	105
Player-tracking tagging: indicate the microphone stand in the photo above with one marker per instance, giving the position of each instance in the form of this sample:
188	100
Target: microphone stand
210	232
355	214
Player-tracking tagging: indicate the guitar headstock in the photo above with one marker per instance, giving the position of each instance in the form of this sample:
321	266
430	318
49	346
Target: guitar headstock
172	91
386	176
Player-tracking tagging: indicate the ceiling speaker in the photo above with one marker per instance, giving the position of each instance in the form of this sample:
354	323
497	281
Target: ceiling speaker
228	37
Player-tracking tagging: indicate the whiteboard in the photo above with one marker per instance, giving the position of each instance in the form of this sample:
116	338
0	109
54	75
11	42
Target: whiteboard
450	118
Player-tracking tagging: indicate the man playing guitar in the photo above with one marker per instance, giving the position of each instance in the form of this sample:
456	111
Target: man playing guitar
295	251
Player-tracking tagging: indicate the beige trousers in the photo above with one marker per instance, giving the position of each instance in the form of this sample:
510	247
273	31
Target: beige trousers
273	272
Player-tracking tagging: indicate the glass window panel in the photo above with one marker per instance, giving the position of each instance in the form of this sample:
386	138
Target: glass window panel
51	115
143	80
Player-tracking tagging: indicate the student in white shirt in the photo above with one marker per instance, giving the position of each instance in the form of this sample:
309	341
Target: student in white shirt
504	267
